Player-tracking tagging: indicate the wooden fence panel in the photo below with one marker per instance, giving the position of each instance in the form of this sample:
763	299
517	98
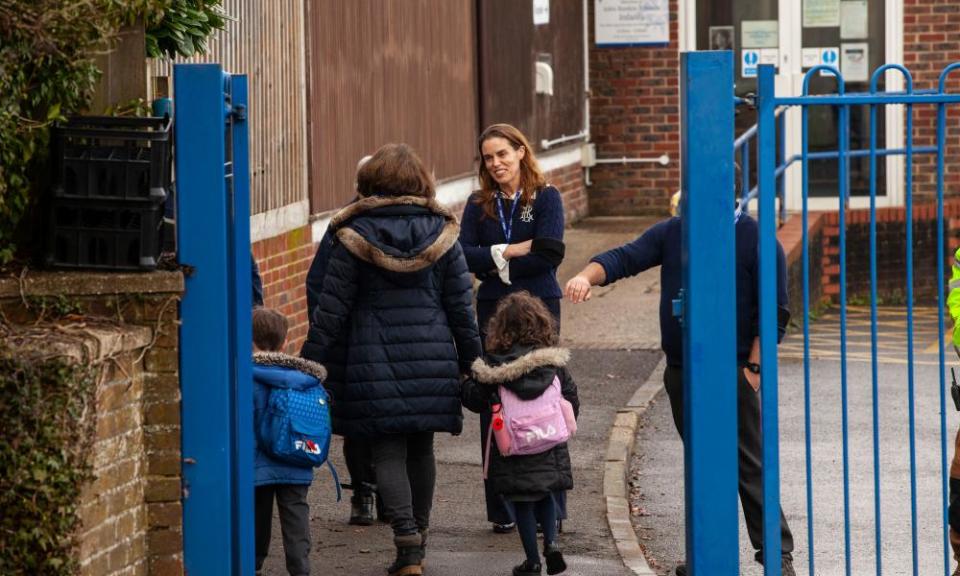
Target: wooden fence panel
266	42
389	71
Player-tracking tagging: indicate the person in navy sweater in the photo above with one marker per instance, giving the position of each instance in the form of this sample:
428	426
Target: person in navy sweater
512	237
660	246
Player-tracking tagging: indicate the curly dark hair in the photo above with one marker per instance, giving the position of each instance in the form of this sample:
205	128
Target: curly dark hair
520	320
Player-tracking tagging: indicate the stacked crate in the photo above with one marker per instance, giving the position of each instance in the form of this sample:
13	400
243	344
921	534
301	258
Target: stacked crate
111	182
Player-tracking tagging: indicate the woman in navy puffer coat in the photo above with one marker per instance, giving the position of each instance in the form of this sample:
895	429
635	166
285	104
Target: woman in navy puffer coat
397	287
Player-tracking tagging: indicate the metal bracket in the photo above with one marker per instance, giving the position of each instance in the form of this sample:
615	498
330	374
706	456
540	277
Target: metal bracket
239	112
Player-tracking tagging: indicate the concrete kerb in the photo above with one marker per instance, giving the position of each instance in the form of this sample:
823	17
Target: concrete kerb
617	467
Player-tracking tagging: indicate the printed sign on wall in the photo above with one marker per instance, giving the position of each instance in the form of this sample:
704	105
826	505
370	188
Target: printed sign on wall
749	60
631	22
541	12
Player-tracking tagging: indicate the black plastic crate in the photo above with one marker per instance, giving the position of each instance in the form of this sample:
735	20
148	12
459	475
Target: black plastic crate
104	235
108	158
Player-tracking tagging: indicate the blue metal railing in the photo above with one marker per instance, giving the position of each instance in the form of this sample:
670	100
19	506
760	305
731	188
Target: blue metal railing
768	173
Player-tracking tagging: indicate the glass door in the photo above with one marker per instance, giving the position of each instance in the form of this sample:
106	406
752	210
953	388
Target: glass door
796	35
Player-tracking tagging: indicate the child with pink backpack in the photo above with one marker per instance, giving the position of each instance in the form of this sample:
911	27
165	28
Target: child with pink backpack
522	378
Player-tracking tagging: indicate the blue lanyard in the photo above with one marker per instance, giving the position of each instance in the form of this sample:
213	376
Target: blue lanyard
507	225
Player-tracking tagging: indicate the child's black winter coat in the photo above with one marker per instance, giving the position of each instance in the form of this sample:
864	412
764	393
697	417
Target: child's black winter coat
527	373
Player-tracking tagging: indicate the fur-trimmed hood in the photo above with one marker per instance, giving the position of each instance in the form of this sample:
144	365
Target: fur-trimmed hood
513	366
282	360
396	233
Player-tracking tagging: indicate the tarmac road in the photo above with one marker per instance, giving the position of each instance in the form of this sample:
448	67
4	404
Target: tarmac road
658	464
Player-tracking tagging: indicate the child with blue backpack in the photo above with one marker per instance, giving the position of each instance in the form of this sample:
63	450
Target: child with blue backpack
283	474
522	379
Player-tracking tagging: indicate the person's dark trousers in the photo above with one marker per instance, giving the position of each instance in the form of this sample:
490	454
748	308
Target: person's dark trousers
294	524
358	455
529	514
500	511
750	455
406	474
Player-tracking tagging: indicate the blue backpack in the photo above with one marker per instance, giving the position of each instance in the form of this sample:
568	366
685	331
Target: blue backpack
296	428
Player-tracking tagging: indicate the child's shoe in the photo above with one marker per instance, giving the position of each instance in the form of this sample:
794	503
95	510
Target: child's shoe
554	558
409	556
526	569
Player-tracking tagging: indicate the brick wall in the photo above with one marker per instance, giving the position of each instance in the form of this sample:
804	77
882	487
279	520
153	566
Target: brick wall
635	112
131	513
113	537
284	260
569	180
891	252
931	41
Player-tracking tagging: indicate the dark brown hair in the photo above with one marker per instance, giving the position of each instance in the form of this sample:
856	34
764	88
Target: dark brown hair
395	170
531	177
520	319
269	329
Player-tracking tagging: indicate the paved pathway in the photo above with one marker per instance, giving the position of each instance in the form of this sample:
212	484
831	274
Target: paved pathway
615	342
658	465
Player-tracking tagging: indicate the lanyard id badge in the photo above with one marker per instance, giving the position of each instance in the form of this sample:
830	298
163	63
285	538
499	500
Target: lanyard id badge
505	224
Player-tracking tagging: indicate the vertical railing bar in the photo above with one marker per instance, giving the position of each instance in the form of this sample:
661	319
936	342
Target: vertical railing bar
941	151
766	142
806	341
745	173
842	181
781	156
242	330
910	379
873	333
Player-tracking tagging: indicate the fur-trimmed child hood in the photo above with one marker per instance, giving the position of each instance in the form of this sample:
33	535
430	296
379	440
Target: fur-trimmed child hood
524	371
300	370
396	233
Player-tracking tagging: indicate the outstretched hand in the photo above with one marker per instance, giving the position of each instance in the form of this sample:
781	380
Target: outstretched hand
578	289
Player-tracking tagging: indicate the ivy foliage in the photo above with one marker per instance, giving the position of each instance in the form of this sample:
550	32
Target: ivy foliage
46	406
47	71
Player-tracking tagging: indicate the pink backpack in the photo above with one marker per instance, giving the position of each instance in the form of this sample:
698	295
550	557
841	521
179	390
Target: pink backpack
522	427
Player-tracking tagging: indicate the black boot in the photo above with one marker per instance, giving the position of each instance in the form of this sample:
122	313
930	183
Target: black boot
409	560
361	505
526	569
554	558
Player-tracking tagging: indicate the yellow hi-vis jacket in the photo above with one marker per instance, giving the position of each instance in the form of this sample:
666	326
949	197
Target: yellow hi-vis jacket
953	298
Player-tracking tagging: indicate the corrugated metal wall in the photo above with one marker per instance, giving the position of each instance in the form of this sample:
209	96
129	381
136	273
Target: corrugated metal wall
510	46
387	71
266	42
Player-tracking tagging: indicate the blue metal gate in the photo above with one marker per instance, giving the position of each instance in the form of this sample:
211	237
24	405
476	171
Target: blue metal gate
705	209
213	239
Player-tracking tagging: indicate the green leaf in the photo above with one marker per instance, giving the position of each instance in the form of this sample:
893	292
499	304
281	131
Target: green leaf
53	113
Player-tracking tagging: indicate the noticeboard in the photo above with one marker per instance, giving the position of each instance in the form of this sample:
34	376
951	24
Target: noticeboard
632	22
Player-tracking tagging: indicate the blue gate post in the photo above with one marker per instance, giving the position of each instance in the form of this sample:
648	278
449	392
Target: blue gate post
709	312
215	344
766	218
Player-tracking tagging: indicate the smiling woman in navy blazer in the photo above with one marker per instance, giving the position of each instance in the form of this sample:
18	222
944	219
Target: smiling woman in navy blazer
512	238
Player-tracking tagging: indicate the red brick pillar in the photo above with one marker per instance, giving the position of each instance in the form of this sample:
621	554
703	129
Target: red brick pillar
635	112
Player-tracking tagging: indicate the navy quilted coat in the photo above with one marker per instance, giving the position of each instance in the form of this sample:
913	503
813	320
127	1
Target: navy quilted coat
275	370
397	292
